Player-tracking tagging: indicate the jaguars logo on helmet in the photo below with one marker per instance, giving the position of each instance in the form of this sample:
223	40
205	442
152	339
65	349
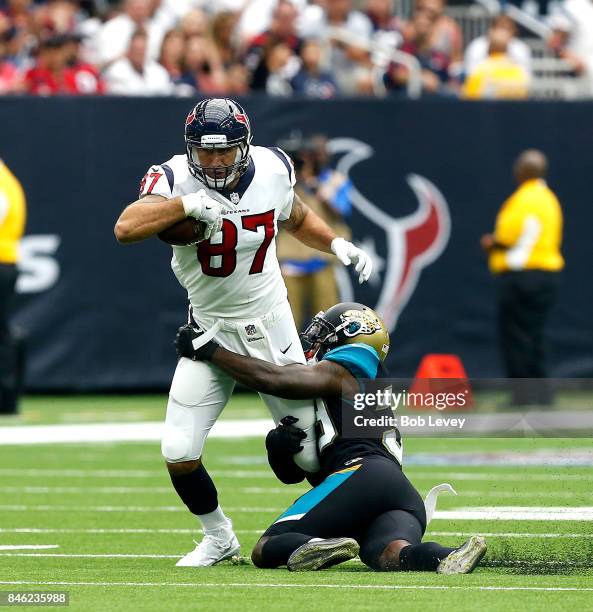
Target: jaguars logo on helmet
346	323
217	123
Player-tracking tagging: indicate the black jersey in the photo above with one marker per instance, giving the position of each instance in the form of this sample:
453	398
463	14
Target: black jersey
336	446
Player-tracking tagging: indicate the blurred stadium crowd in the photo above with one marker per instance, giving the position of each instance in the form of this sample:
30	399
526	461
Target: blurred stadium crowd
312	48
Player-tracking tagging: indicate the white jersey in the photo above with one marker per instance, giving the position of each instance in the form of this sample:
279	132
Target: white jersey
236	273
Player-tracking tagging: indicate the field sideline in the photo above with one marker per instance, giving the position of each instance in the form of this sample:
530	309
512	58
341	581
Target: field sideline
101	520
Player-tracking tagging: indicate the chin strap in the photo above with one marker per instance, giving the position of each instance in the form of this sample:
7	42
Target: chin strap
430	501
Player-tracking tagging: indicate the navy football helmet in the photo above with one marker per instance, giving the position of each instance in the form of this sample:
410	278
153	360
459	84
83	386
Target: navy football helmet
217	123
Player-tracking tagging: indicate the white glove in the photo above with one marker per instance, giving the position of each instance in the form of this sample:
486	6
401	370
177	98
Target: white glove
349	254
202	207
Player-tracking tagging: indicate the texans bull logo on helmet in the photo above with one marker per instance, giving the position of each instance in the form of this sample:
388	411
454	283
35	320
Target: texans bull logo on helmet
242	118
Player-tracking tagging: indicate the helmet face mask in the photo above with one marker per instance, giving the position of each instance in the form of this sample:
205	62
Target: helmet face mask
217	124
217	176
342	324
320	336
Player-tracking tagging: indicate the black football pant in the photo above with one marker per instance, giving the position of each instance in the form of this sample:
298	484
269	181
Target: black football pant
9	367
371	501
524	302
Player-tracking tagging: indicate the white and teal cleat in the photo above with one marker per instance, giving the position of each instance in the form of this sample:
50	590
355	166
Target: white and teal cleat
318	554
464	559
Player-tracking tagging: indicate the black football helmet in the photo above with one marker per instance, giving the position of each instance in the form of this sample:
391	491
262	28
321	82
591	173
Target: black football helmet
346	323
217	123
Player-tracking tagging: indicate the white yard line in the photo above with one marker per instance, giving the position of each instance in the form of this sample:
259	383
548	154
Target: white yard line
135	490
73	508
494	534
520	514
241	474
255	585
99	531
150	431
510	562
523	494
492	513
108	490
288	491
28	546
140	530
542	509
94	555
78	473
156	473
523	475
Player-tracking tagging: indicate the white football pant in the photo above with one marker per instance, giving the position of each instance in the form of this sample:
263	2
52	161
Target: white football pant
200	390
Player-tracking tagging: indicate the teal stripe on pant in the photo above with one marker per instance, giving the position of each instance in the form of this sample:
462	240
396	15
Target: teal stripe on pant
310	499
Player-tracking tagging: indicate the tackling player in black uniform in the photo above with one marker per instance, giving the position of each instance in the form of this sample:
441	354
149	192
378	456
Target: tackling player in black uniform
363	502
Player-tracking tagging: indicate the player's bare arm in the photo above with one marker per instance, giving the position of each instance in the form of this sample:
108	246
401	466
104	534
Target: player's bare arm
153	214
313	231
308	227
148	216
294	381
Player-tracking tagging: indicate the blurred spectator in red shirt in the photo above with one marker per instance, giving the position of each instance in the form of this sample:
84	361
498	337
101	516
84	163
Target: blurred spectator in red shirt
434	63
80	78
10	79
282	31
10	76
311	80
46	77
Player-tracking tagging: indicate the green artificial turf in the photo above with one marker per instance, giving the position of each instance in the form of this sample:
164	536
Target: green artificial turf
116	500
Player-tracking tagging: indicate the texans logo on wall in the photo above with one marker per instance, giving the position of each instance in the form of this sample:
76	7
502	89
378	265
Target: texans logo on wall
412	242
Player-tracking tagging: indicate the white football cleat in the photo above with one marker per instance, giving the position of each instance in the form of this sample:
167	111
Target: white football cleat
217	545
464	559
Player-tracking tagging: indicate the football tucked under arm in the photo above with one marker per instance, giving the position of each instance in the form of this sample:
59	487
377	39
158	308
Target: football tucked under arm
184	232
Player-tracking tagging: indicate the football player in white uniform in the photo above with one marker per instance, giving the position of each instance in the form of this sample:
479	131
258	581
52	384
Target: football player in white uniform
219	205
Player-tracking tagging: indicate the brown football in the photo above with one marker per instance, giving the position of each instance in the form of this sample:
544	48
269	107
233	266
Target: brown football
183	232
